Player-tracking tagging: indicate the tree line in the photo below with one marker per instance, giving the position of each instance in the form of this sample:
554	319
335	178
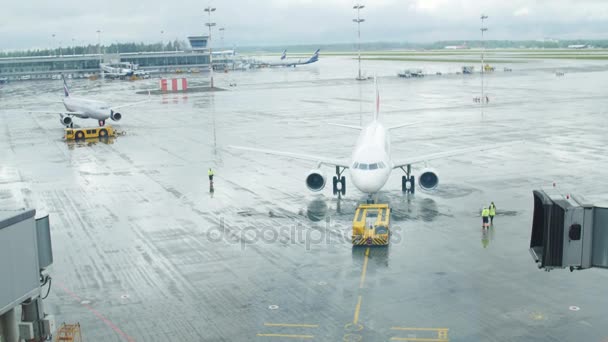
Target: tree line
93	49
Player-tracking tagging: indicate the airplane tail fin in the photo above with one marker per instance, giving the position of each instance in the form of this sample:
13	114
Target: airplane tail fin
315	56
284	54
377	111
65	87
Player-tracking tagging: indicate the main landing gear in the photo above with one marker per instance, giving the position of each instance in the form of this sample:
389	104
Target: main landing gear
408	179
102	123
339	182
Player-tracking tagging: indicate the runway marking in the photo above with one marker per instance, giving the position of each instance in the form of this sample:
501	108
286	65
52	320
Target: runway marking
357	309
364	271
442	334
418	339
287	336
97	314
420	329
291	325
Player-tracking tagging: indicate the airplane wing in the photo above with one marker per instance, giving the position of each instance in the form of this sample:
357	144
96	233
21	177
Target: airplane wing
451	153
345	126
320	160
76	114
129	104
403	125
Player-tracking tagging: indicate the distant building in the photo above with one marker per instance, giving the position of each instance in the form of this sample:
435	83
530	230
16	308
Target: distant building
45	67
578	46
456	47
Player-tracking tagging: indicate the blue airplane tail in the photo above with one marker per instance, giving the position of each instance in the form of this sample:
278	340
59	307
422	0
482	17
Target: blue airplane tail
66	91
284	54
315	57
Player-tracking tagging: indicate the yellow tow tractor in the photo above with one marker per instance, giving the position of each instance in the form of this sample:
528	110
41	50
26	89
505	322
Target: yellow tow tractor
87	133
371	225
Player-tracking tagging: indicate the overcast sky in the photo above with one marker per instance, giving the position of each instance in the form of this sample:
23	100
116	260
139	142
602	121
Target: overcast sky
31	23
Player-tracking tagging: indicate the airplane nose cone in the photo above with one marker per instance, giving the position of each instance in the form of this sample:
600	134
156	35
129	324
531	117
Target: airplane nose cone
366	181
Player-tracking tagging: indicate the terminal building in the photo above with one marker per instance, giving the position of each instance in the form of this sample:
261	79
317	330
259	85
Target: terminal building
45	67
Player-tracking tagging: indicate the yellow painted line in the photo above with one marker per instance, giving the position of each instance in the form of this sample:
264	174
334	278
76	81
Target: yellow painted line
291	325
357	309
419	339
364	271
287	336
420	329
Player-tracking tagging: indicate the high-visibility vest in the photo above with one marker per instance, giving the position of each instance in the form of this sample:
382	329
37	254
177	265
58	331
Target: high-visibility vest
485	212
210	172
492	210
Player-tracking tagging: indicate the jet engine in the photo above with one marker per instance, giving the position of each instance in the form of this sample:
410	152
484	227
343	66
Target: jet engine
115	116
315	181
428	179
65	120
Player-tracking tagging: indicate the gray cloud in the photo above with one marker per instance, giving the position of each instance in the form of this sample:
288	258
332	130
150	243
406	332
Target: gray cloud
26	24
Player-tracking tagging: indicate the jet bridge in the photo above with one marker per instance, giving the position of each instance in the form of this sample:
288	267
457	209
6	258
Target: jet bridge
568	232
25	252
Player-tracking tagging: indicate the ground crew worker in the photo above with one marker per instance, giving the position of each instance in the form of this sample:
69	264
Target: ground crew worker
492	212
485	213
210	173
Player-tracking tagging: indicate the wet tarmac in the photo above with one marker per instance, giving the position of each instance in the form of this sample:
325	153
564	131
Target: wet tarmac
144	251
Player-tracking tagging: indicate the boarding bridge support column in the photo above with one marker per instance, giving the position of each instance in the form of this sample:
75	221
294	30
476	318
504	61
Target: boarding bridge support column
33	312
8	327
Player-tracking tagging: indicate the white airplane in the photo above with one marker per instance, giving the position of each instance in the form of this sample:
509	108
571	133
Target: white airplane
286	62
88	109
371	163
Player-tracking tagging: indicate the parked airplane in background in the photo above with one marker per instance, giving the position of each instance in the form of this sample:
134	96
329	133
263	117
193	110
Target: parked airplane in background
286	62
370	164
88	109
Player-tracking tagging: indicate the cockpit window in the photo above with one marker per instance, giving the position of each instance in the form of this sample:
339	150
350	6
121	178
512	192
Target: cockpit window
374	166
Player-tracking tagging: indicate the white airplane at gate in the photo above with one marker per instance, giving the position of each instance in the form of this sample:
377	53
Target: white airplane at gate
371	164
88	109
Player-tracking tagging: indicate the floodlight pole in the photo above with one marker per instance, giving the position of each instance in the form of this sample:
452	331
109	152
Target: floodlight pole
358	20
483	49
210	24
99	47
222	29
53	44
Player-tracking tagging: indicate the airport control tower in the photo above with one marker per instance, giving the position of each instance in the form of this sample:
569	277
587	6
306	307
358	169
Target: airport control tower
198	43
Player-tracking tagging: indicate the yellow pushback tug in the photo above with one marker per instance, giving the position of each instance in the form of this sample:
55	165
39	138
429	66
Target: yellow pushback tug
371	225
87	133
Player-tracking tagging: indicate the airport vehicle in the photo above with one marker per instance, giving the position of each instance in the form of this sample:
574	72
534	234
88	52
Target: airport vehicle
411	73
88	109
468	69
286	62
371	225
488	68
87	133
3	80
118	70
371	164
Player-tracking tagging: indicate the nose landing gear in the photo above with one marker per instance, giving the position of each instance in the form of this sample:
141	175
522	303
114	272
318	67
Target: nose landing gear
408	179
339	182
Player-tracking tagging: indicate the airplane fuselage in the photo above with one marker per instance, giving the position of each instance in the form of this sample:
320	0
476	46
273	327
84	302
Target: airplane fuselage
92	109
371	163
